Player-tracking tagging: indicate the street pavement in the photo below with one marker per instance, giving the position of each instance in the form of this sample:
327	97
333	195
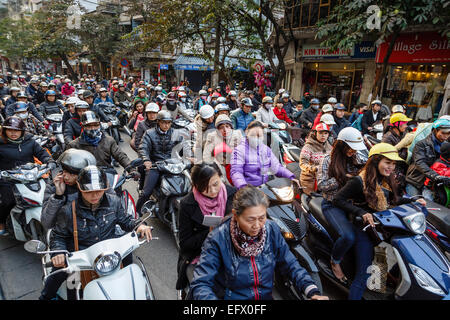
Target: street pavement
21	272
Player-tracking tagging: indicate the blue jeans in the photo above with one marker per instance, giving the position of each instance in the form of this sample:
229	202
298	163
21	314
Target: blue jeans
425	192
350	235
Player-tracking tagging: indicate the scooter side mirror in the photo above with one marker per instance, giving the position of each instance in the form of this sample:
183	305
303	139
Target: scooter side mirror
34	246
149	208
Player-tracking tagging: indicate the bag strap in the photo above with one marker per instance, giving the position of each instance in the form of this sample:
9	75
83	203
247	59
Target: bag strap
75	228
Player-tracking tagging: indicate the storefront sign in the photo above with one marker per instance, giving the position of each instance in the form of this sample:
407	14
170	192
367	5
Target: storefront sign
425	47
365	50
193	67
164	66
314	51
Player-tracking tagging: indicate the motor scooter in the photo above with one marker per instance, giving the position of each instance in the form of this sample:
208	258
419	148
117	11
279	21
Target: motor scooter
112	112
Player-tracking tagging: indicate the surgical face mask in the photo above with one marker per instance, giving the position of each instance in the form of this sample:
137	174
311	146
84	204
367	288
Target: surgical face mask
94	133
254	142
315	106
22	115
203	97
268	106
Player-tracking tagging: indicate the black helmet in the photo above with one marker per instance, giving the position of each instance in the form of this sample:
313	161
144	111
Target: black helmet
247	102
89	117
87	94
22	94
74	160
164	115
14	123
92	178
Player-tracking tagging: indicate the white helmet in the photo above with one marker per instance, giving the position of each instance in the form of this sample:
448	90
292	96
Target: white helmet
202	93
158	88
281	91
152	107
181	94
376	102
446	117
327	107
398	108
221	100
332	100
285	95
181	89
222	107
232	93
352	137
81	91
206	111
328	119
80	104
72	100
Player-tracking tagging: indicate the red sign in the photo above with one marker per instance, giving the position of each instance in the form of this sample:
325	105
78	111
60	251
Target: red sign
425	47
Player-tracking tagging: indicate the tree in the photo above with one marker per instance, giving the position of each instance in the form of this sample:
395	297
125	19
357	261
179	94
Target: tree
352	21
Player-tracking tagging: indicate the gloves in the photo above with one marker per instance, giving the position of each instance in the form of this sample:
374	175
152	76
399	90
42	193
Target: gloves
443	179
135	175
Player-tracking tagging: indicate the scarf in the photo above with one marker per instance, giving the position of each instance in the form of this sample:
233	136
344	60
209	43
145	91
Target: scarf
93	141
247	246
382	203
18	141
212	206
139	118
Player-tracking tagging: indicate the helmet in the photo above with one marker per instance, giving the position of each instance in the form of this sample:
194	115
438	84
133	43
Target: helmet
158	88
267	99
160	99
50	93
327	107
222	107
87	94
140	90
14	89
322	127
43	84
221	100
376	102
20	107
332	100
80	104
206	111
181	94
202	93
104	90
223	118
396	117
81	92
442	124
164	115
247	102
89	117
34	80
285	95
328	119
78	86
74	160
215	95
22	94
339	106
446	117
232	93
121	84
73	100
385	149
352	137
281	91
171	95
14	123
152	107
398	108
92	178
315	101
2	81
181	88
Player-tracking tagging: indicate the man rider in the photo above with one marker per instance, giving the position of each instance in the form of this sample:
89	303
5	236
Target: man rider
33	125
104	97
39	97
51	105
22	97
72	128
173	107
121	95
309	115
242	117
202	100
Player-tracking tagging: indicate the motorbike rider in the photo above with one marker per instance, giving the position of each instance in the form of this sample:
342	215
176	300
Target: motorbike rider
201	101
360	109
222	108
39	96
306	100
33	125
265	113
88	96
233	263
151	113
182	100
288	106
141	95
104	97
328	119
232	100
339	118
72	128
63	189
442	167
97	214
309	115
281	114
69	106
121	95
137	116
13	92
334	171
326	109
204	124
209	196
51	105
425	153
371	116
17	148
32	88
253	161
173	107
157	144
372	190
22	97
242	117
3	89
315	149
396	131
224	133
67	89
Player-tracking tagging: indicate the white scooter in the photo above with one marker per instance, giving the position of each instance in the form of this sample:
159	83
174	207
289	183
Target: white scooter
24	221
105	258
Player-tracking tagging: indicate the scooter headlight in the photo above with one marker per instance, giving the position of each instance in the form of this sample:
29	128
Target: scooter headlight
106	264
416	222
175	168
285	194
425	280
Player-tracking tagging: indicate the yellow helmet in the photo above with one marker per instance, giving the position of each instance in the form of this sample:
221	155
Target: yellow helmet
396	117
385	149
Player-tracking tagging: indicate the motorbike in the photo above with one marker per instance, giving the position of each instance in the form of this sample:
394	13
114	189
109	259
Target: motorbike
112	112
124	107
438	226
374	136
105	258
285	212
416	269
24	221
56	128
165	200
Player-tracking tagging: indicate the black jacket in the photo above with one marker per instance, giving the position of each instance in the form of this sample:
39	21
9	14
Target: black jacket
39	97
142	127
72	129
92	226
367	120
392	138
192	232
48	108
308	116
156	146
12	155
10	108
341	123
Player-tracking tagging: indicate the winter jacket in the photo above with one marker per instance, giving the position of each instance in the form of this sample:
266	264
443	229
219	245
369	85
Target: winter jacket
289	107
39	97
422	159
10	108
156	146
266	116
253	166
4	92
199	103
392	138
104	152
100	100
12	155
93	227
48	108
308	116
310	158
341	123
203	128
442	168
282	115
192	232
67	90
175	112
53	203
120	96
72	129
214	138
30	91
247	278
240	119
368	121
143	126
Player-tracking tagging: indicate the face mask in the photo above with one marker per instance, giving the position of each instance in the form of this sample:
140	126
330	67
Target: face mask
268	106
254	142
23	116
203	97
315	106
93	133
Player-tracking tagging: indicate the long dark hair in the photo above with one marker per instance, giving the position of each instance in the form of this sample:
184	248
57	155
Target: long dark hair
339	162
201	174
372	177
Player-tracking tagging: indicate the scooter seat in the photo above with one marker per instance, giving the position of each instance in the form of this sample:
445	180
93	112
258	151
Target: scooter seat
440	219
316	207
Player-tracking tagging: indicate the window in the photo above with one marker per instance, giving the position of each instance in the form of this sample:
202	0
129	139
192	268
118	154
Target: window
306	13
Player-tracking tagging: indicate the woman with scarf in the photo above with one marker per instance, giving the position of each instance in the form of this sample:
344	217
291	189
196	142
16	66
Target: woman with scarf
209	197
137	115
239	257
373	190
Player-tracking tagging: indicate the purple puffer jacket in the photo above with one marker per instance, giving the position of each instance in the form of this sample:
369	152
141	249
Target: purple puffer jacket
250	166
